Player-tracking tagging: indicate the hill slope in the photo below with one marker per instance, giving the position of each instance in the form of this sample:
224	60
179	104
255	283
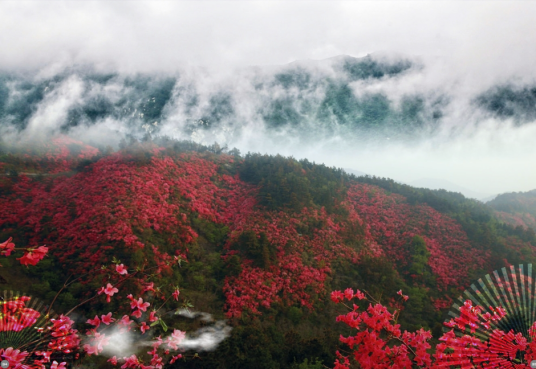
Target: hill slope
516	208
266	238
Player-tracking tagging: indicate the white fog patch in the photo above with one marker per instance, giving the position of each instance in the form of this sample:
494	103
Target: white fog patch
52	111
106	132
120	343
492	158
206	338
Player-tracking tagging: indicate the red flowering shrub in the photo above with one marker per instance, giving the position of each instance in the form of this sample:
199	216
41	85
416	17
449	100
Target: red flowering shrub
391	223
525	220
379	343
58	336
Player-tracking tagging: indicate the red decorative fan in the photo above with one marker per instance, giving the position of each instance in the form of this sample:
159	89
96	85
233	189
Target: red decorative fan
31	335
493	325
511	289
20	319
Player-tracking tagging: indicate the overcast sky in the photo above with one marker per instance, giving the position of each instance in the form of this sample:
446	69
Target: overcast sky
479	36
467	44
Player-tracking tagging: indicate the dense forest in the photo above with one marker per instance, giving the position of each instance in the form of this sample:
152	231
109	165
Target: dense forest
264	240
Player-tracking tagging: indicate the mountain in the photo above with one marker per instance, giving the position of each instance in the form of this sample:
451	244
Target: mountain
354	99
313	100
264	240
437	184
516	208
487	199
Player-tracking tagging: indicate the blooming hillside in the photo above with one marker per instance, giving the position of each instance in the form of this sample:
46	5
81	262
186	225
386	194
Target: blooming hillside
516	208
264	237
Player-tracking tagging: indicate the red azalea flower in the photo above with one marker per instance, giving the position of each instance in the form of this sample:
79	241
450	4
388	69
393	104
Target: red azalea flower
144	327
139	304
33	256
125	320
131	362
95	322
175	339
149	287
15	357
121	269
109	291
55	365
107	319
6	248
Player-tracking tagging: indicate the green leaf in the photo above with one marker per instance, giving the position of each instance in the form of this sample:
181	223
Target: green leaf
163	324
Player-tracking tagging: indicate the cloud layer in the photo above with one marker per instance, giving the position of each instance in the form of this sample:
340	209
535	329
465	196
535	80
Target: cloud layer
462	109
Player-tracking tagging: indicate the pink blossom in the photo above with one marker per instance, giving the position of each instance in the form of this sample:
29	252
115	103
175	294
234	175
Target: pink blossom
144	327
55	365
109	291
107	319
149	287
175	339
13	356
33	256
175	358
125	320
121	269
139	304
131	362
6	248
95	322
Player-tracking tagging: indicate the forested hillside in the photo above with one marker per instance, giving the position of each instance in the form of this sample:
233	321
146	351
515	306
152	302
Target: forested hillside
516	208
265	239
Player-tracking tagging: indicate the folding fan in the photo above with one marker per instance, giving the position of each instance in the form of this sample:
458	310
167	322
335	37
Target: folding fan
21	316
511	288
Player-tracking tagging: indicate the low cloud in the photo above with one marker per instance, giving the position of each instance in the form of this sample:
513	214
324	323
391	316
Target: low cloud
103	71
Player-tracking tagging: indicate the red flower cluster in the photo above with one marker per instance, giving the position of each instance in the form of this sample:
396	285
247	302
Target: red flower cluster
58	335
379	343
97	338
391	223
31	256
298	273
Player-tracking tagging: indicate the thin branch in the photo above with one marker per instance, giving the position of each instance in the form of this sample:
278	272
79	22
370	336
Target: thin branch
405	344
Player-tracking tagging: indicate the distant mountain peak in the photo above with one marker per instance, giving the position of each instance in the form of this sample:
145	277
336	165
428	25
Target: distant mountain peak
438	184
